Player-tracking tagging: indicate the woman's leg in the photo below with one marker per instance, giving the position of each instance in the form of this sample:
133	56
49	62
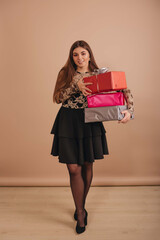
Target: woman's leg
87	174
77	187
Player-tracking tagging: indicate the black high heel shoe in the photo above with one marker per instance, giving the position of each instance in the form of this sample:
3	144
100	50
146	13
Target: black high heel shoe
80	229
85	220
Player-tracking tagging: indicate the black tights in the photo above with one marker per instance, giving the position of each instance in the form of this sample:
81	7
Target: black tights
80	181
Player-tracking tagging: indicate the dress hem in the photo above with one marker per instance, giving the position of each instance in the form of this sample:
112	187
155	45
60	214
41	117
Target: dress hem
60	161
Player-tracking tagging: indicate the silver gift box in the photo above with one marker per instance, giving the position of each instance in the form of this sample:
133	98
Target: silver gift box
100	114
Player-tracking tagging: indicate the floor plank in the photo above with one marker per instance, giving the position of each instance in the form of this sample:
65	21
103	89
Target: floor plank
114	213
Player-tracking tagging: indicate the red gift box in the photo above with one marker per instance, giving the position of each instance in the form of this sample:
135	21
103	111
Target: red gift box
105	82
105	99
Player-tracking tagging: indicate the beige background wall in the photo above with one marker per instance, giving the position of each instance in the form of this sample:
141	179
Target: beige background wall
35	37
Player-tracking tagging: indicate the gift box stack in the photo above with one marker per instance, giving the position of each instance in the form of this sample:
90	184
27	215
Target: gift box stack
105	103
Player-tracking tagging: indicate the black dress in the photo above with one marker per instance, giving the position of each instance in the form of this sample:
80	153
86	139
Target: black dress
74	140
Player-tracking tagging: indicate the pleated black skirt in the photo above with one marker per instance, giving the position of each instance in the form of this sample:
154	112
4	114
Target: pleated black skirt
74	140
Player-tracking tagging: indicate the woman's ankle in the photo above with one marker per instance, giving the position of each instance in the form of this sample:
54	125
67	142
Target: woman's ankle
80	211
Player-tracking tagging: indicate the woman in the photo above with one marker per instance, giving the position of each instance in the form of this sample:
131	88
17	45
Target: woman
78	144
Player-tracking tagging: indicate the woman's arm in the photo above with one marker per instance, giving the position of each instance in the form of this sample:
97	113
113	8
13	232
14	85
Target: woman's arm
66	93
72	89
129	99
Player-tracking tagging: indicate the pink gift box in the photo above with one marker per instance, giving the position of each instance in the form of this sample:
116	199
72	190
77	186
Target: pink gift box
106	99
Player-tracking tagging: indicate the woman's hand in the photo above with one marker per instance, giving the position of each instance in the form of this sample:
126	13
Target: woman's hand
126	117
83	88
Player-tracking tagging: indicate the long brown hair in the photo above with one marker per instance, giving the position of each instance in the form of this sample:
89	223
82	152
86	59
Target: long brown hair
67	72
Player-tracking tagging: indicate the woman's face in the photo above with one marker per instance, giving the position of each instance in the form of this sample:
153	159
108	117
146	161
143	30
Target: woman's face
81	57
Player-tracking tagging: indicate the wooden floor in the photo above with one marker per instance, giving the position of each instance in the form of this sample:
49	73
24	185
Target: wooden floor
46	213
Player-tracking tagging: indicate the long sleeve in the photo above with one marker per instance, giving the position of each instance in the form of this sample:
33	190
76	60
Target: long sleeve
66	93
129	99
72	97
